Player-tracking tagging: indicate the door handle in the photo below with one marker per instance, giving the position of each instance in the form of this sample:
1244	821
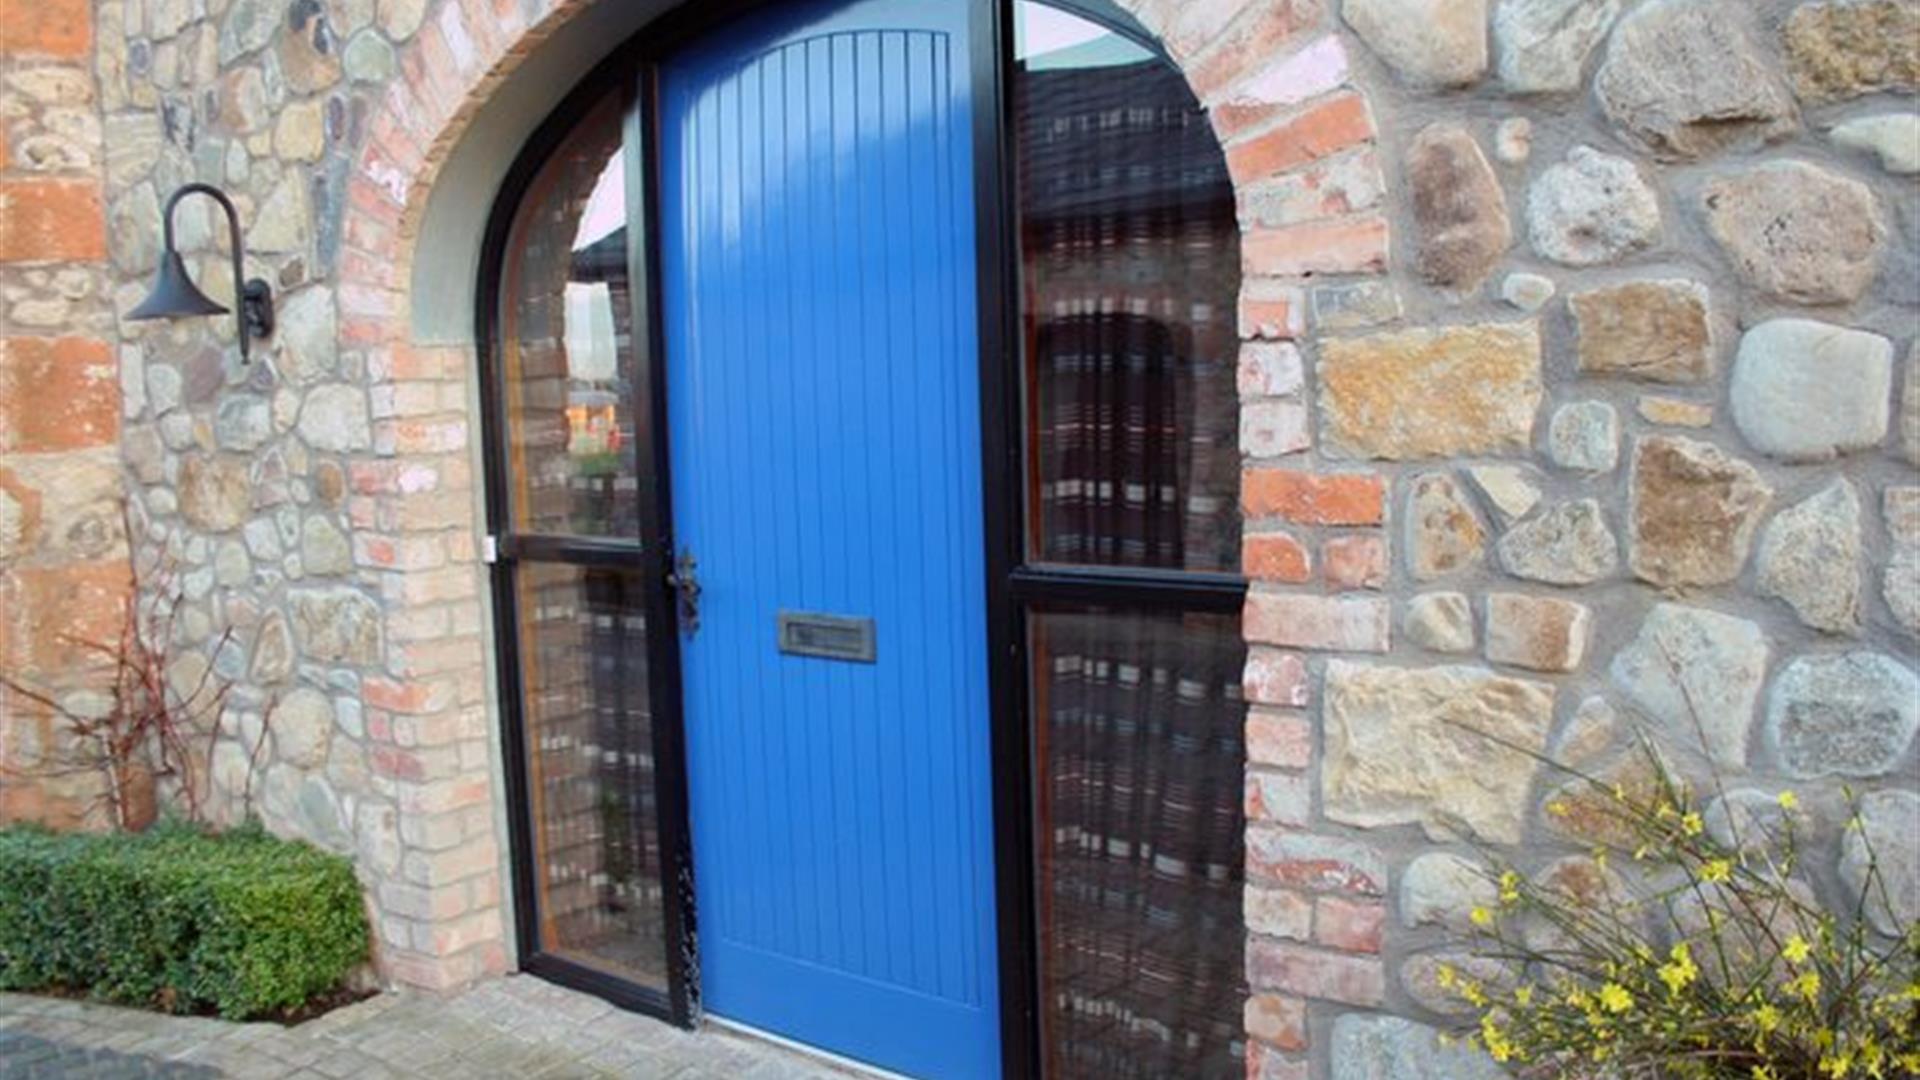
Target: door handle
684	580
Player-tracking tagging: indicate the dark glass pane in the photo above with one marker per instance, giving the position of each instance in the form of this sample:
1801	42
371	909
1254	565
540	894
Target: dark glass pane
590	768
567	343
1140	749
1131	270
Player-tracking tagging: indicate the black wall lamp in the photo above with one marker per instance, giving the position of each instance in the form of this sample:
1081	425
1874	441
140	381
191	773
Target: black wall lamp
175	296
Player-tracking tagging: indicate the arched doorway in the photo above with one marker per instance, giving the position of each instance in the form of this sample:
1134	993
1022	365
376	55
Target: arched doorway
861	408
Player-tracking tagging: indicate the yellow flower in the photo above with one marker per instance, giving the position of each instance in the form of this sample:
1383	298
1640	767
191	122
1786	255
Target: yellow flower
1523	996
1444	976
1807	985
1481	916
1509	887
1615	999
1680	971
1692	825
1767	1019
1796	949
1716	870
1789	801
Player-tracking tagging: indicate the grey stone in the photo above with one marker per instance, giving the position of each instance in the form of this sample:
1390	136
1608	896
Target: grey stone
376	827
398	19
1810	391
1420	978
302	726
1440	888
1585	436
1848	714
1696	674
1908	422
1440	622
1513	140
243	423
336	625
1810	557
165	388
1459	211
1880	861
1592	730
1541	46
1570	544
334	419
1749	820
1900	584
263	540
231	567
1590	209
1893	138
322	820
1353	305
133	229
1373	1047
1528	292
1511	490
323	549
1443	534
1694	510
213	493
1797	233
1476	732
1688	78
1425	42
369	59
284	223
249	25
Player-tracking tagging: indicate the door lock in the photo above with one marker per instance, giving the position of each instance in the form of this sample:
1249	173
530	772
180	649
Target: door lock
684	580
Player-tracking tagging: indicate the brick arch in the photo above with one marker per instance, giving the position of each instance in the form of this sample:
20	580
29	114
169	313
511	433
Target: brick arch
1300	143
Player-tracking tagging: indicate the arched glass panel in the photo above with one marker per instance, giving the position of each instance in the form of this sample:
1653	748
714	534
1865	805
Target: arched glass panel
1130	264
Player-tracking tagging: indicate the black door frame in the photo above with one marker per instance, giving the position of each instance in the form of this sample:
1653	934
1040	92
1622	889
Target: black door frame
1013	584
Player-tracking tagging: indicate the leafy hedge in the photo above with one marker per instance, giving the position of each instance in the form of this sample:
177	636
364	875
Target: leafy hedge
240	922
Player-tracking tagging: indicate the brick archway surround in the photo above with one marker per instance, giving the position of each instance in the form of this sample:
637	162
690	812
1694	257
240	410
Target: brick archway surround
1299	138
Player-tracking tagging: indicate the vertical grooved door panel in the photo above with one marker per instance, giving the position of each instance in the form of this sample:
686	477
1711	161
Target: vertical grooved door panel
817	232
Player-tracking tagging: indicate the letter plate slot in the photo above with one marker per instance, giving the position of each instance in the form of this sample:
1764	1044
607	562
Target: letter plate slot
830	637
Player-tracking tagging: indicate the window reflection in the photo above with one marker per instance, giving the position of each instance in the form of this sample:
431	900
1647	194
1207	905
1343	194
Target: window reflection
567	343
1130	269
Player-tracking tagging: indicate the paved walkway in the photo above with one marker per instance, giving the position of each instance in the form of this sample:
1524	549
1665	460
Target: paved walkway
513	1027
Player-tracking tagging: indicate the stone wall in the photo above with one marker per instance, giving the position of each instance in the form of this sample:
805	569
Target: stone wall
1579	334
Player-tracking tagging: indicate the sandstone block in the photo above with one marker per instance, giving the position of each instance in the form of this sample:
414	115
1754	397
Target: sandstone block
1461	781
1847	714
1510	489
1537	633
1443	534
302	727
1443	392
1694	511
1655	330
1797	233
1696	674
336	625
1459	210
1810	391
214	494
1590	209
1810	556
1688	78
1884	842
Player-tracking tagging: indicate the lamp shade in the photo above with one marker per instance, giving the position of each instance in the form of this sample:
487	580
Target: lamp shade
174	295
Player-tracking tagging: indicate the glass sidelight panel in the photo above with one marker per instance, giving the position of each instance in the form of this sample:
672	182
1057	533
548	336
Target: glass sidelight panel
567	342
1130	261
1138	752
591	775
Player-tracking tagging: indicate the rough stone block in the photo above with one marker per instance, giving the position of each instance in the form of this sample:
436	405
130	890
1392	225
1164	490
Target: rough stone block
1444	392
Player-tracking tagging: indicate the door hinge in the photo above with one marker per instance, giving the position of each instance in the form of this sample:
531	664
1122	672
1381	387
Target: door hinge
684	580
489	550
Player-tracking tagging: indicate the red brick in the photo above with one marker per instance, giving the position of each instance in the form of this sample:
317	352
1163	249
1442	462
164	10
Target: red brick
1279	797
1353	245
1306	498
58	394
1269	369
1320	863
1325	623
68	611
1275	557
51	221
1283	740
1356	926
1311	973
1266	1063
1271	309
415	697
1277	1021
1253	40
1272	677
56	28
1281	913
1325	127
1355	562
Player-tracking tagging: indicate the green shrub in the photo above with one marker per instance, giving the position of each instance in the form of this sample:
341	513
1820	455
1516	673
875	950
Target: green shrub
179	919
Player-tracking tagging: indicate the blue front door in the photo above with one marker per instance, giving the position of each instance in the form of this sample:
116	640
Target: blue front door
817	256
